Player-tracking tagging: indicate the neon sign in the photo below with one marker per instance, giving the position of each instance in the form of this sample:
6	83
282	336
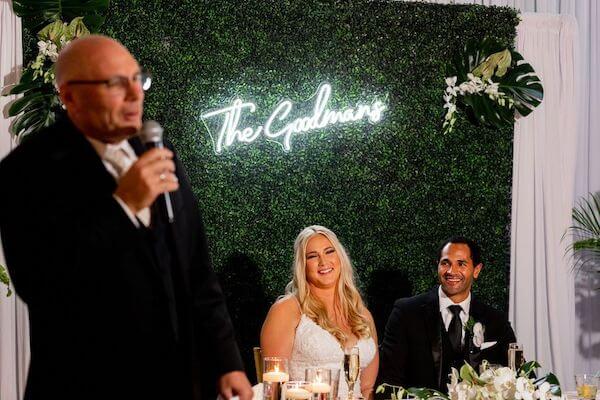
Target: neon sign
280	127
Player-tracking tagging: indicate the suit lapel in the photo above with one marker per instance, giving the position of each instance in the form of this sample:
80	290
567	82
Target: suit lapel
78	151
472	354
476	311
431	314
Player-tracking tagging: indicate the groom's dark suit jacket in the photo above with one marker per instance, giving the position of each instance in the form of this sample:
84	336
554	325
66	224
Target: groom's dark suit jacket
115	311
414	353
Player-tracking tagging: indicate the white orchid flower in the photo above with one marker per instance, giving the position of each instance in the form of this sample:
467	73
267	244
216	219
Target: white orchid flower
451	81
504	382
524	389
42	45
52	52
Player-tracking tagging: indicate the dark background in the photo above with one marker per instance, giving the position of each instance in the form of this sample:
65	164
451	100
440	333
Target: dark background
391	191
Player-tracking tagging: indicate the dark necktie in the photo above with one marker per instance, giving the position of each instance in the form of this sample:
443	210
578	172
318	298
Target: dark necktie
455	329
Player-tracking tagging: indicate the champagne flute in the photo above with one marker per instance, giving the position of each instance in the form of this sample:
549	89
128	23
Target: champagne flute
351	368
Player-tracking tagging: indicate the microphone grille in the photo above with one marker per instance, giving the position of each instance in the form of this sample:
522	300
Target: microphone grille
151	132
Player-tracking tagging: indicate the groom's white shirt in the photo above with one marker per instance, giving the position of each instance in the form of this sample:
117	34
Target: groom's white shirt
446	302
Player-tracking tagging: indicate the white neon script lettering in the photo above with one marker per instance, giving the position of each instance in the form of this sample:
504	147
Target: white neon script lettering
276	127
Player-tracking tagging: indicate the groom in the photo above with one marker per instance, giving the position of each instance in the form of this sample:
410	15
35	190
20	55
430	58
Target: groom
428	334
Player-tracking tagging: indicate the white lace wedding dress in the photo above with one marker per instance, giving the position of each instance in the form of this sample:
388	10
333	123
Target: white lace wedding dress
315	347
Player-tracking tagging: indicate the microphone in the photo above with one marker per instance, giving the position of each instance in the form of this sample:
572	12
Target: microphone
151	135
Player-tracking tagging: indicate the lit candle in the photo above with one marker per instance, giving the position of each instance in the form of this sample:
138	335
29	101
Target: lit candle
275	376
297	394
320	387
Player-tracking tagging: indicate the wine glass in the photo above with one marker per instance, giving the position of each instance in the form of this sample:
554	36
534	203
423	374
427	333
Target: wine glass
351	368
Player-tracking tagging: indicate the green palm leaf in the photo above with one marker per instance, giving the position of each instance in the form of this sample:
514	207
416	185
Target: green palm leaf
36	13
585	246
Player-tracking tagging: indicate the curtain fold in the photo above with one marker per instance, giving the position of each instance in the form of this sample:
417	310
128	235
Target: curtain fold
14	322
542	289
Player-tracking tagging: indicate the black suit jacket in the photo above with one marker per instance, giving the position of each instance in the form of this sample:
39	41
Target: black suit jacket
100	312
412	349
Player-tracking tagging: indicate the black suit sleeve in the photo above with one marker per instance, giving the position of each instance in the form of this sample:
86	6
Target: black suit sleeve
394	354
47	238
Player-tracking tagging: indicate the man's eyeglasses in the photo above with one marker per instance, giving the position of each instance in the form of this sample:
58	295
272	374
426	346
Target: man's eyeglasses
119	83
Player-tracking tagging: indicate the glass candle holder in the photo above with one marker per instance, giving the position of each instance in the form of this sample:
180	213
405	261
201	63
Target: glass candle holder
319	380
587	386
297	390
275	373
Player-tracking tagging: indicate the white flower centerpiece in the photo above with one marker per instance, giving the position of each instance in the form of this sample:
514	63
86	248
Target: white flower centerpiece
493	384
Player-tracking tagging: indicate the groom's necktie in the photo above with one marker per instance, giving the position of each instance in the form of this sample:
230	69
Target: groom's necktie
455	329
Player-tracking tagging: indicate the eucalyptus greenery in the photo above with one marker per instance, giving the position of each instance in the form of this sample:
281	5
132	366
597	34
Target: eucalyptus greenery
585	246
494	84
39	104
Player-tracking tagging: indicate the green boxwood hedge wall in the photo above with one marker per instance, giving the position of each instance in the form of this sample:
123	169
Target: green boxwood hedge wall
391	191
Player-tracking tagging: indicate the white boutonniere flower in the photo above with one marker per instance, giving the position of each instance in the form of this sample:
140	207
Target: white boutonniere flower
478	331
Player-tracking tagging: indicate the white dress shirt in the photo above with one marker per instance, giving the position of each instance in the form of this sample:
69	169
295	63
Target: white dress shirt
124	146
446	302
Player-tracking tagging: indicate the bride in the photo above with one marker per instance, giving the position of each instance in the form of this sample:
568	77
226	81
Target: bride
322	313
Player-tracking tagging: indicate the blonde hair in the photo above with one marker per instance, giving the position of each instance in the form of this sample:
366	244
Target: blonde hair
347	296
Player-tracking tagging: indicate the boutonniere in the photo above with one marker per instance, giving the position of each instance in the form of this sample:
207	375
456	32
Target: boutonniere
476	331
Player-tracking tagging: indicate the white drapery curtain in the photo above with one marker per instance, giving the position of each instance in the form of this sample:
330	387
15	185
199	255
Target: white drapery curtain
545	143
14	325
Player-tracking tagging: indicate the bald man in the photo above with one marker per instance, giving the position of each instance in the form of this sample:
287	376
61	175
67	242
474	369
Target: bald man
122	303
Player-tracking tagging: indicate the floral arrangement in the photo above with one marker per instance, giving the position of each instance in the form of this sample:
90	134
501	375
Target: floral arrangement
490	84
37	108
493	384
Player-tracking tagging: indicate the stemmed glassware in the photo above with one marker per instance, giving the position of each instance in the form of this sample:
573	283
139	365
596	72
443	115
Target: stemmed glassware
351	368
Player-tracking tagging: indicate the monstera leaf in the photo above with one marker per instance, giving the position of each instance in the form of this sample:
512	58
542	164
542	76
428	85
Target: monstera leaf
37	13
523	85
489	60
35	109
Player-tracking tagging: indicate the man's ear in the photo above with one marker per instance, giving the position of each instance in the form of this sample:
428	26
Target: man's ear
477	270
66	96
